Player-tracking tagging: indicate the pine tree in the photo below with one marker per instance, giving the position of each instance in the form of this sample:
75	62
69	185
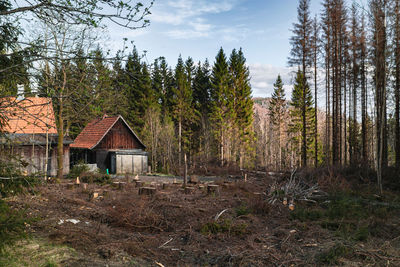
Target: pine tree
277	111
295	127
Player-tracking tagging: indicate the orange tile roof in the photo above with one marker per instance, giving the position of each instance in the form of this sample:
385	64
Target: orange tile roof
96	130
30	115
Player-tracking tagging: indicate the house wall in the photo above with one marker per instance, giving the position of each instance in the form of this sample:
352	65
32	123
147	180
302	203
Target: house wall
119	137
35	157
136	164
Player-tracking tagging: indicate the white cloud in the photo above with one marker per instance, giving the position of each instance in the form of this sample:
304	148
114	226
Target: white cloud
186	34
186	19
179	12
263	77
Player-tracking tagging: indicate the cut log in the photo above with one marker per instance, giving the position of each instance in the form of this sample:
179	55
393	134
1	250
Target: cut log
147	191
189	190
213	189
194	179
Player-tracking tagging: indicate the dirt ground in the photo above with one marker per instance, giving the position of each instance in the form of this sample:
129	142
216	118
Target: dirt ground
236	226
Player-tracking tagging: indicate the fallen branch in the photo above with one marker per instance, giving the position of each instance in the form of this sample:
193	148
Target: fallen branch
219	214
166	243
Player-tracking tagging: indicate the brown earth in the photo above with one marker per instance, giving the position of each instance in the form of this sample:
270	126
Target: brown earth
174	228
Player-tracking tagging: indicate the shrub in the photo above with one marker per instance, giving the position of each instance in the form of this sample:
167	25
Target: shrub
12	225
243	209
332	255
98	178
77	170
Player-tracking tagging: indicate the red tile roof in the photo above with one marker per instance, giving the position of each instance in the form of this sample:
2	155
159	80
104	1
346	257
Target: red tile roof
30	115
96	130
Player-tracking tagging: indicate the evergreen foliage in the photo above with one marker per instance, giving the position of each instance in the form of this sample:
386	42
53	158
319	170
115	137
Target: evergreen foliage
296	115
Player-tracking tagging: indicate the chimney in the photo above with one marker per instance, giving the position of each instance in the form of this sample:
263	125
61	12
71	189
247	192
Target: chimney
34	91
20	92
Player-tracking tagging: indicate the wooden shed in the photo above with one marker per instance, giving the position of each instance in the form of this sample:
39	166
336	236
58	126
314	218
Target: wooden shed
110	143
30	134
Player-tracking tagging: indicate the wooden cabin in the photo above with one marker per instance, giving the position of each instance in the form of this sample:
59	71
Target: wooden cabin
29	133
110	143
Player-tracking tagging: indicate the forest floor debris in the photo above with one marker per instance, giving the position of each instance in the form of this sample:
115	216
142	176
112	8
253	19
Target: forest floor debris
239	226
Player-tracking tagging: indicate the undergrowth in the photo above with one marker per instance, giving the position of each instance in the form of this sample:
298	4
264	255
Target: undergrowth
12	225
332	255
350	217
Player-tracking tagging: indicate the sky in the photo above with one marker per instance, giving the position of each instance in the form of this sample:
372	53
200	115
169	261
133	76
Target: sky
198	28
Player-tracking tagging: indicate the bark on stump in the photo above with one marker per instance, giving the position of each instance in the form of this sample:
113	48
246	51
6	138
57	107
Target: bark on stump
165	186
84	186
139	183
213	189
119	185
147	191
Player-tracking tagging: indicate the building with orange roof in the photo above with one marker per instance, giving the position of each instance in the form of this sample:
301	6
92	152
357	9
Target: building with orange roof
111	144
29	132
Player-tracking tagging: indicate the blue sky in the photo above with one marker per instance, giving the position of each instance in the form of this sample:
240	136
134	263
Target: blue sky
198	28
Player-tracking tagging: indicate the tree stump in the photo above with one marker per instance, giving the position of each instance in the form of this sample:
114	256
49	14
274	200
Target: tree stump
70	186
84	186
193	179
165	186
139	183
93	195
147	191
119	185
189	190
213	189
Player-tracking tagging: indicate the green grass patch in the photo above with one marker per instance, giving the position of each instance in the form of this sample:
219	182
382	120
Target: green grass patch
36	252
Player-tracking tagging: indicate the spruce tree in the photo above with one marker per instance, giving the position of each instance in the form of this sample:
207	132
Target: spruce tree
300	55
135	94
242	103
201	101
295	127
219	105
183	113
277	110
